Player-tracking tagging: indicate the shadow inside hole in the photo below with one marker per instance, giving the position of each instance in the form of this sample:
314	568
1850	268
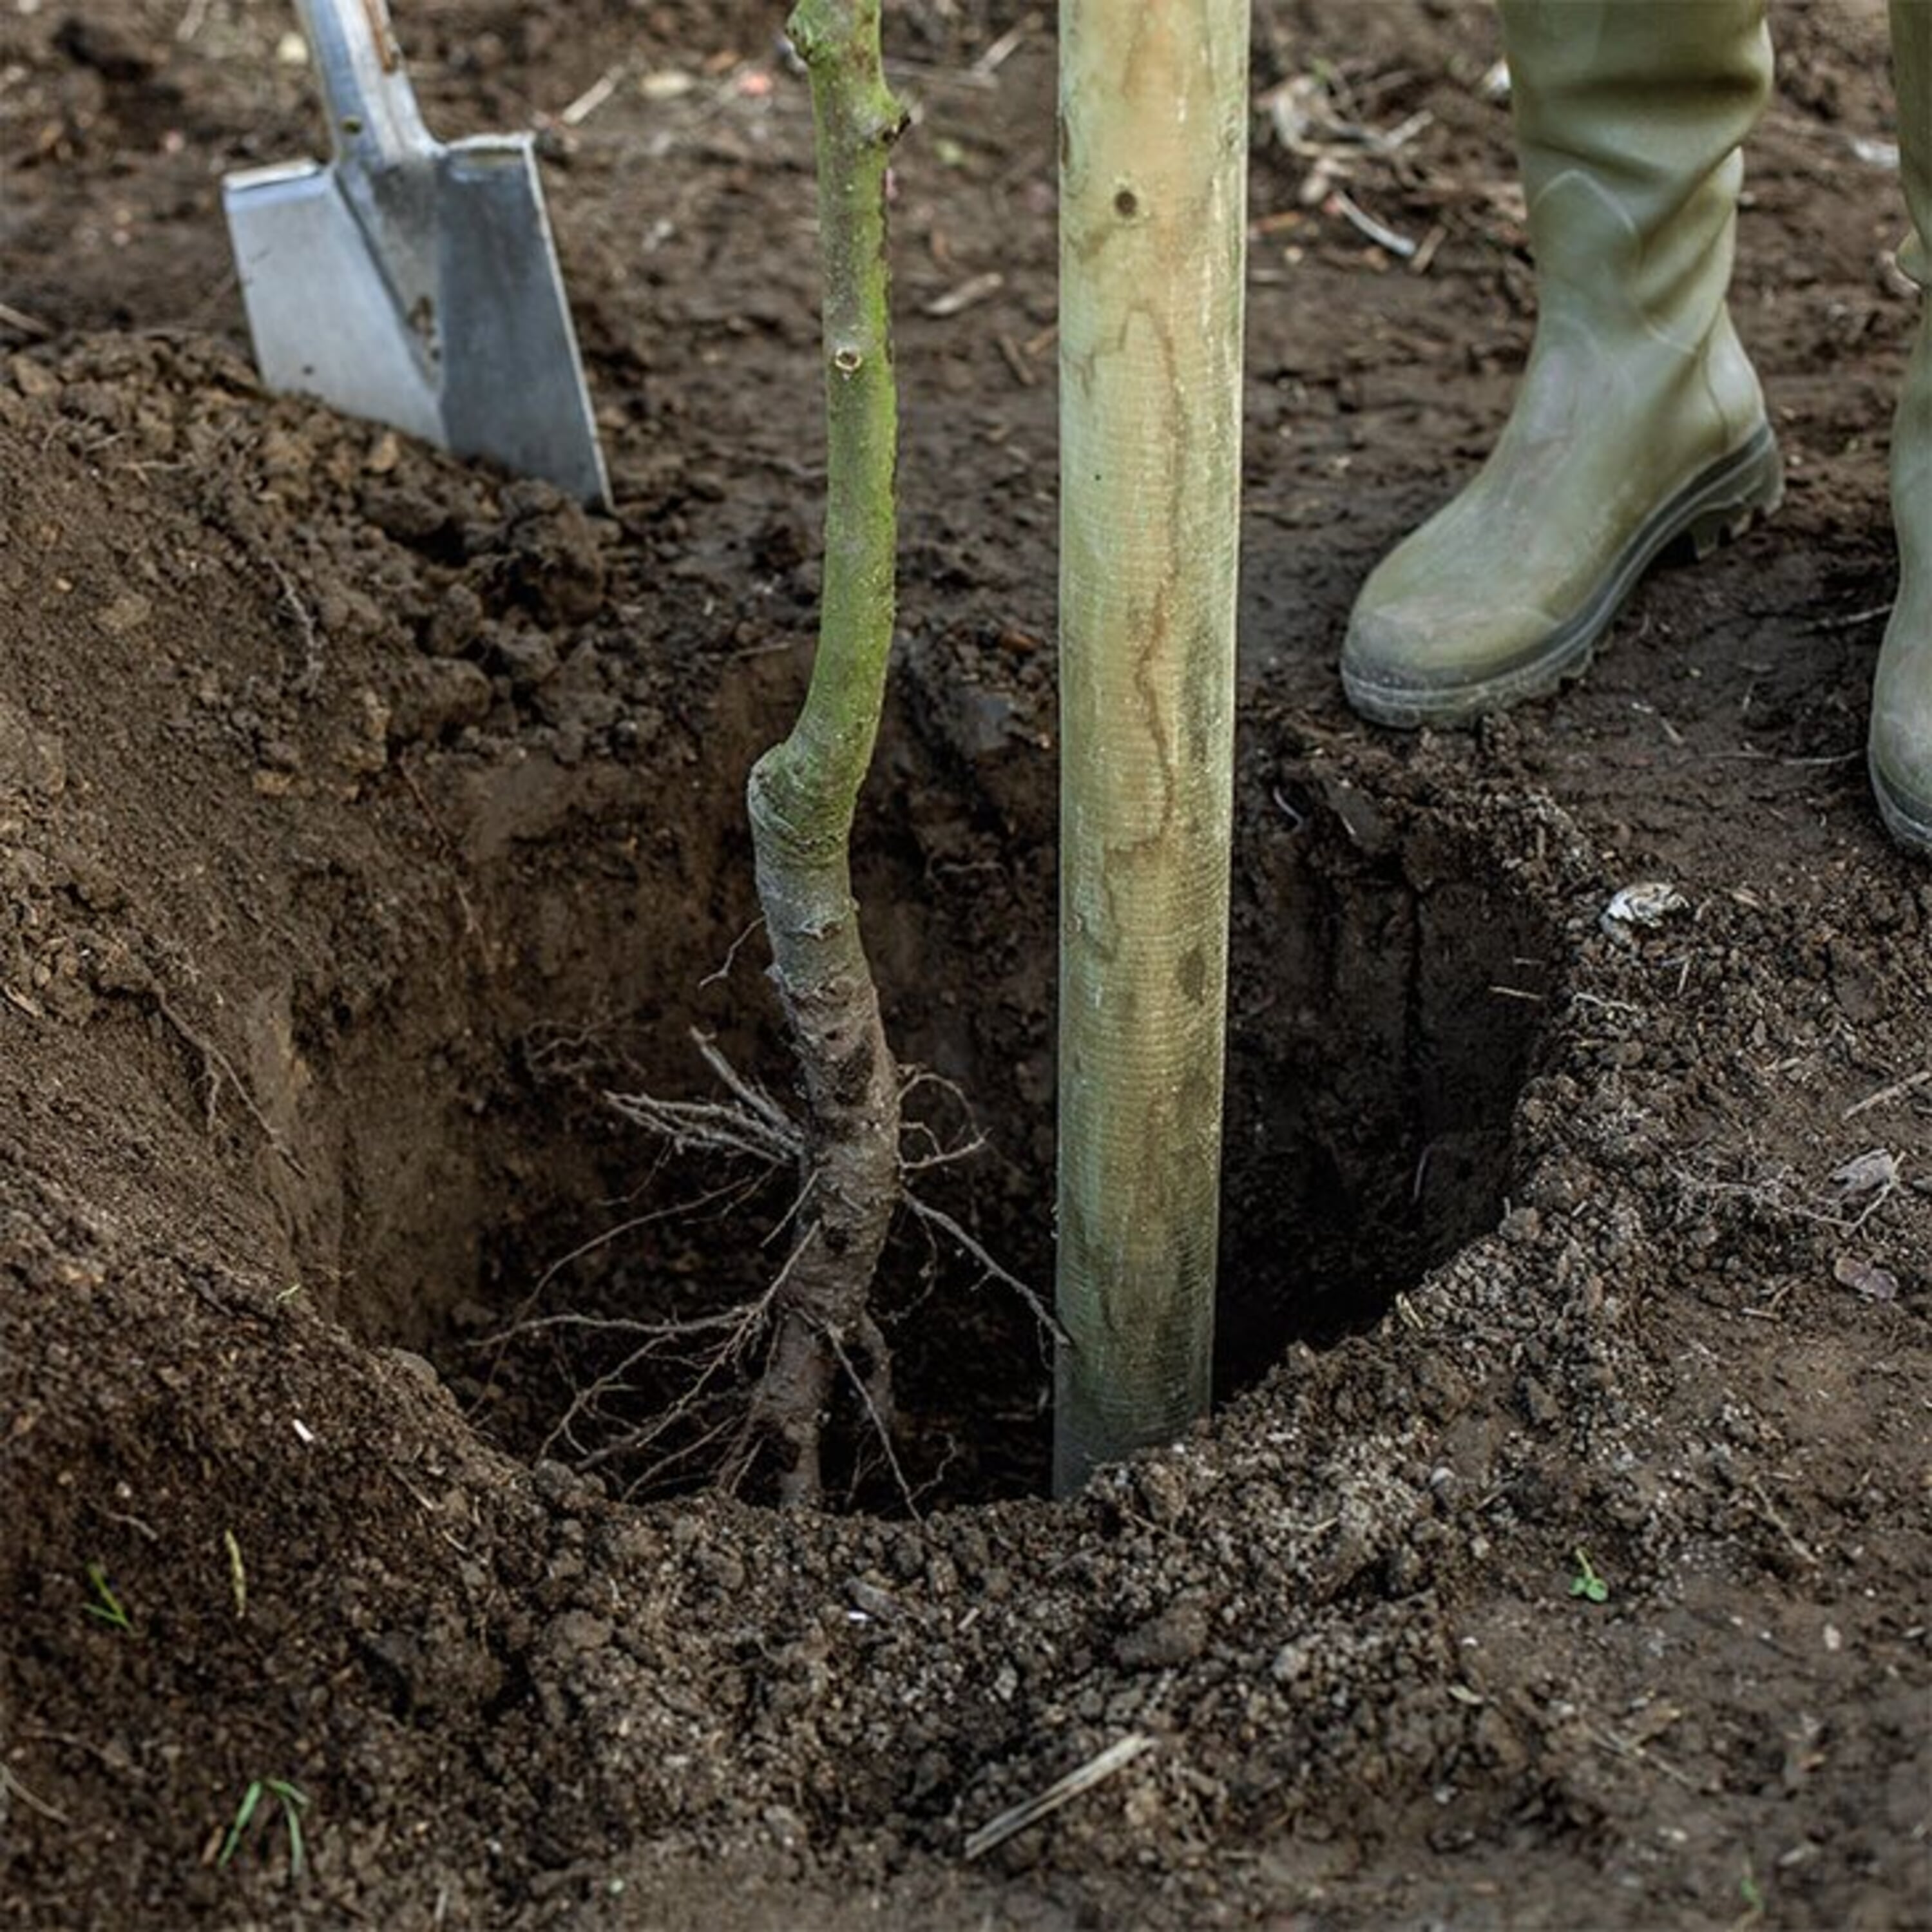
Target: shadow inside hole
1389	990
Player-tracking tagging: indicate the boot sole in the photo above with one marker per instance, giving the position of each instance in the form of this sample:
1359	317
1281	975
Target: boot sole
1909	821
1715	507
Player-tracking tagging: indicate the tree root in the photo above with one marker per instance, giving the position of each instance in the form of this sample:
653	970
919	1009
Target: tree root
759	1381
848	1164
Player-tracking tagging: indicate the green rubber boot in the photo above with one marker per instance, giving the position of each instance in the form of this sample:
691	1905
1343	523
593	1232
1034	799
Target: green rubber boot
1901	720
1639	423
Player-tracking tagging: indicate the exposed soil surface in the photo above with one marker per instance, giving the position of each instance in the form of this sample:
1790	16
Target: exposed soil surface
366	818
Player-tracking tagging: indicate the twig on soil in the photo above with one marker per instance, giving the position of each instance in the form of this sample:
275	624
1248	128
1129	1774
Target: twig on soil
1096	1771
1769	1512
1767	1310
1423	259
133	1522
968	294
1364	222
1851	620
930	73
10	1783
237	1572
1316	120
429	1510
1894	1091
593	98
996	56
1022	371
115	1765
1752	752
22	323
1623	1748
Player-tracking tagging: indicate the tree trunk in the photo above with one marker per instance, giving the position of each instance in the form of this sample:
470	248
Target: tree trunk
1153	149
803	793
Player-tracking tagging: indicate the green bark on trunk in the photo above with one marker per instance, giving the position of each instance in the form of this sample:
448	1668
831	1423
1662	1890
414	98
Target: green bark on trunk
803	793
1154	152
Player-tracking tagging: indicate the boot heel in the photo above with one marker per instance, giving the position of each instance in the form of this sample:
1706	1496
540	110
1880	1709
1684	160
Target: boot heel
1711	533
1736	501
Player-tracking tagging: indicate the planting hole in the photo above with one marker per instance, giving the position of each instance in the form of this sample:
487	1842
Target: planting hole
572	1277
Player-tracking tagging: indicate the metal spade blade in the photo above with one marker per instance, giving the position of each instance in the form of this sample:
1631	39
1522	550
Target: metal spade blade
411	280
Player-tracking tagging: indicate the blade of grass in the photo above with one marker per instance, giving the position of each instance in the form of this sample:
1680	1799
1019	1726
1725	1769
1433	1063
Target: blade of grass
250	1799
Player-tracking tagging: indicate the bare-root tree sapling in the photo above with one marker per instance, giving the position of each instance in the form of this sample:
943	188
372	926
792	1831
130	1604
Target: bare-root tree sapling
802	793
1153	153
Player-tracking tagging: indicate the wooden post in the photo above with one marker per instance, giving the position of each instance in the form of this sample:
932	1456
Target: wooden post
1153	150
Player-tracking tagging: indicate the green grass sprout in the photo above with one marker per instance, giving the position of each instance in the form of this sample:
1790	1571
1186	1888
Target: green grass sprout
245	1810
1752	1893
290	1800
107	1605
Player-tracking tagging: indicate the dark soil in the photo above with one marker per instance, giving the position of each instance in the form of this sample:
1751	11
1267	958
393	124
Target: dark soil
366	818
